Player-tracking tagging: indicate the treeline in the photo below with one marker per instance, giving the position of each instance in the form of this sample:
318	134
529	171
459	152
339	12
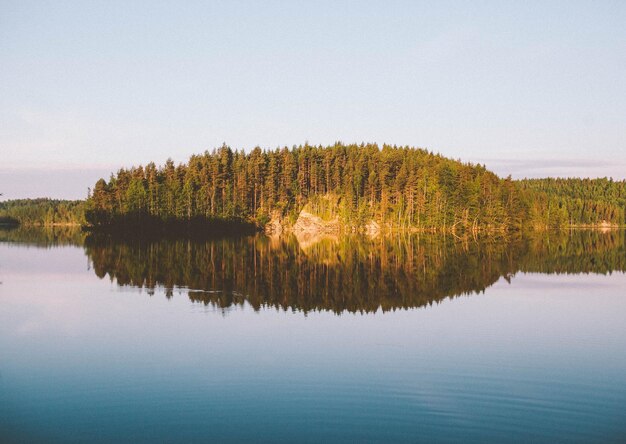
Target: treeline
401	187
42	212
398	187
584	202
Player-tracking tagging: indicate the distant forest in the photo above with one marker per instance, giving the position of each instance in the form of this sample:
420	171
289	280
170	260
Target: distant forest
42	212
397	187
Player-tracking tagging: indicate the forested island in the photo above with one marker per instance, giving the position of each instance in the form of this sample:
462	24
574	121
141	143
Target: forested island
355	188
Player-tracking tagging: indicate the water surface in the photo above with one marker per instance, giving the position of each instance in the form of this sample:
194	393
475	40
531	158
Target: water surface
413	339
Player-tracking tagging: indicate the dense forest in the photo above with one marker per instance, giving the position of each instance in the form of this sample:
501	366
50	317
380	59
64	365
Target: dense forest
42	212
586	201
397	187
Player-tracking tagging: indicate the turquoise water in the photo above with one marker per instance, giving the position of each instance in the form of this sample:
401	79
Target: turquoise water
541	358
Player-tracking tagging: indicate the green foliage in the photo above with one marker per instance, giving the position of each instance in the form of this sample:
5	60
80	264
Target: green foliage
398	187
401	187
43	211
582	202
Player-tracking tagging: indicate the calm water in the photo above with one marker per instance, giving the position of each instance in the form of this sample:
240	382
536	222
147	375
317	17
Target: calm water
415	339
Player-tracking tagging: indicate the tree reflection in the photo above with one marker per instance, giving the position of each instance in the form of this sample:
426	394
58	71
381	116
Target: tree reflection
353	274
43	237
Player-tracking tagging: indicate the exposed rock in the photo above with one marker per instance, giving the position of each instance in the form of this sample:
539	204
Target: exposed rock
308	223
275	226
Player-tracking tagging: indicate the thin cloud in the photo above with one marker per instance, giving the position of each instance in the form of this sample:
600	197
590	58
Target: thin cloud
534	168
57	183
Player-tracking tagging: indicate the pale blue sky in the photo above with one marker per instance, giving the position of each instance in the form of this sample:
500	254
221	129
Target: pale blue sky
529	88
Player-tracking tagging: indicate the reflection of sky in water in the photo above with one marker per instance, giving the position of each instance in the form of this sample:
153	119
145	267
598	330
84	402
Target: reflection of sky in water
82	359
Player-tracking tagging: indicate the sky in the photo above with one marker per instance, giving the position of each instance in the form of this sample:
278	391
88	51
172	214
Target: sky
531	89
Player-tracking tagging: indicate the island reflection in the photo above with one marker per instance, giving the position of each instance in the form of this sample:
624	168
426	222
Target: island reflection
347	274
338	274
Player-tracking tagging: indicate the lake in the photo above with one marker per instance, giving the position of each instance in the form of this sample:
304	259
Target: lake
405	339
